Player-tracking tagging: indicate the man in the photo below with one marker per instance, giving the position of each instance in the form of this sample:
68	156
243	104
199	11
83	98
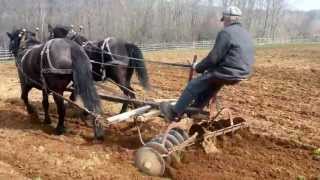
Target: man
229	62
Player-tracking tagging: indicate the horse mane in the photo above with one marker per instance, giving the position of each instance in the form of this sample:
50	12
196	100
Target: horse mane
31	39
60	26
64	28
64	31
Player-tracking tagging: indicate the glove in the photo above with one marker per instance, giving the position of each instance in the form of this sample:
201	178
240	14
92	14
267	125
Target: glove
196	68
199	71
194	65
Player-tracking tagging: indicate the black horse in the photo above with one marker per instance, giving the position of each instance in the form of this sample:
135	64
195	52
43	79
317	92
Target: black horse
50	67
104	64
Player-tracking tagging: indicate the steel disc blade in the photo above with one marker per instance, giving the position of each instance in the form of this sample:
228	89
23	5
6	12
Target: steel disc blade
177	135
182	132
167	143
149	161
173	139
160	149
157	146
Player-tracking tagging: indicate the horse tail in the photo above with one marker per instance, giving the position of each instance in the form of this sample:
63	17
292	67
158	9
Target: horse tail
83	81
138	64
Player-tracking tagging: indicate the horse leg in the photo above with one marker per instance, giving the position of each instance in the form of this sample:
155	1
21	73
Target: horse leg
60	129
124	81
72	96
45	104
119	76
24	96
128	91
98	130
124	105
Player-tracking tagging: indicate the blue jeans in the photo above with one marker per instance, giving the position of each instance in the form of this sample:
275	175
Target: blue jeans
199	91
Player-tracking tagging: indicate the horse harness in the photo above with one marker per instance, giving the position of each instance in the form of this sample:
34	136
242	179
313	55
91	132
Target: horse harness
50	69
72	35
43	70
105	44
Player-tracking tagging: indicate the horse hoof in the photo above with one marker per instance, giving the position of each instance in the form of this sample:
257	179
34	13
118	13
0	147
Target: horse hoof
67	105
123	111
47	121
30	110
60	131
34	118
99	134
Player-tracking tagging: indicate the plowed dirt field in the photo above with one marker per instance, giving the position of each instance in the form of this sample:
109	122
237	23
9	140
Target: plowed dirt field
281	102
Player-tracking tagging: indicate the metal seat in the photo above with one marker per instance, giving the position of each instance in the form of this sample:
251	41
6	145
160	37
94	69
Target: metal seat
216	107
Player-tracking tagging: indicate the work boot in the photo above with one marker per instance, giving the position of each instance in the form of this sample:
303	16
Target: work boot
166	109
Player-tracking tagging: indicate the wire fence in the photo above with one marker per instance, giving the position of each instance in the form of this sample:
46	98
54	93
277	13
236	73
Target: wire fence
6	55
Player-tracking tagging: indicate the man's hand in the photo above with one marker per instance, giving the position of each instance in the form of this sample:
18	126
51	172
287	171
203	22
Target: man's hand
196	68
194	65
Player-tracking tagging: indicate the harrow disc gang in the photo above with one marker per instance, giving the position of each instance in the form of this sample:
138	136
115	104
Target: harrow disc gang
152	157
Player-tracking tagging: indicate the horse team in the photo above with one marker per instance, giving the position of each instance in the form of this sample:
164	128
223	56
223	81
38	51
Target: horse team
69	57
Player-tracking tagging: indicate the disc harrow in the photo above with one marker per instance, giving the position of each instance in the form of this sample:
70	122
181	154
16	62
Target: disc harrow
156	155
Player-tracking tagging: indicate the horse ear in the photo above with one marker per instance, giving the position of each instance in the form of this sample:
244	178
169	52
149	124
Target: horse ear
9	35
50	27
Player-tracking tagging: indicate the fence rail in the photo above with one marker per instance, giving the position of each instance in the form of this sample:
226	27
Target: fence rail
210	44
6	55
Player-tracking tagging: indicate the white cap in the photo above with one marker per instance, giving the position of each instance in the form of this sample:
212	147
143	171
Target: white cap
231	11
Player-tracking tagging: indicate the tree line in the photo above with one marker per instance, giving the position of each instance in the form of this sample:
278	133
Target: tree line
145	21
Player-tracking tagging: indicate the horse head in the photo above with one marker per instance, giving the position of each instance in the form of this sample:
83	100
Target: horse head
58	31
20	39
62	31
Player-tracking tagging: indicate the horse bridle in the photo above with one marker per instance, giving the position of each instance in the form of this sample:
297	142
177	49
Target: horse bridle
105	44
72	34
23	40
22	46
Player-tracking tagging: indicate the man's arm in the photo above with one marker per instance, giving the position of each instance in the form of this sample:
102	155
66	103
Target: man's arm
219	50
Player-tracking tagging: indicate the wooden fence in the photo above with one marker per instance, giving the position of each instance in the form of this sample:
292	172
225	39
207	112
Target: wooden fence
6	55
210	44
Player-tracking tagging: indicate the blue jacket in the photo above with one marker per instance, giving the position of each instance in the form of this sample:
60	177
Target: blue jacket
232	56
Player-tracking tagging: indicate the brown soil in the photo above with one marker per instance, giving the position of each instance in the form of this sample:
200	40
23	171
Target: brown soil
280	101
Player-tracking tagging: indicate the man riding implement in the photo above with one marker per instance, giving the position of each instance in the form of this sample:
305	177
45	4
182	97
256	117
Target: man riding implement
229	62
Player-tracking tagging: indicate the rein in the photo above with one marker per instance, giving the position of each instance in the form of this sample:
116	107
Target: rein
135	59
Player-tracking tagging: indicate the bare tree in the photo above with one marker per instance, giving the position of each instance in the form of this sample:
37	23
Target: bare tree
155	20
